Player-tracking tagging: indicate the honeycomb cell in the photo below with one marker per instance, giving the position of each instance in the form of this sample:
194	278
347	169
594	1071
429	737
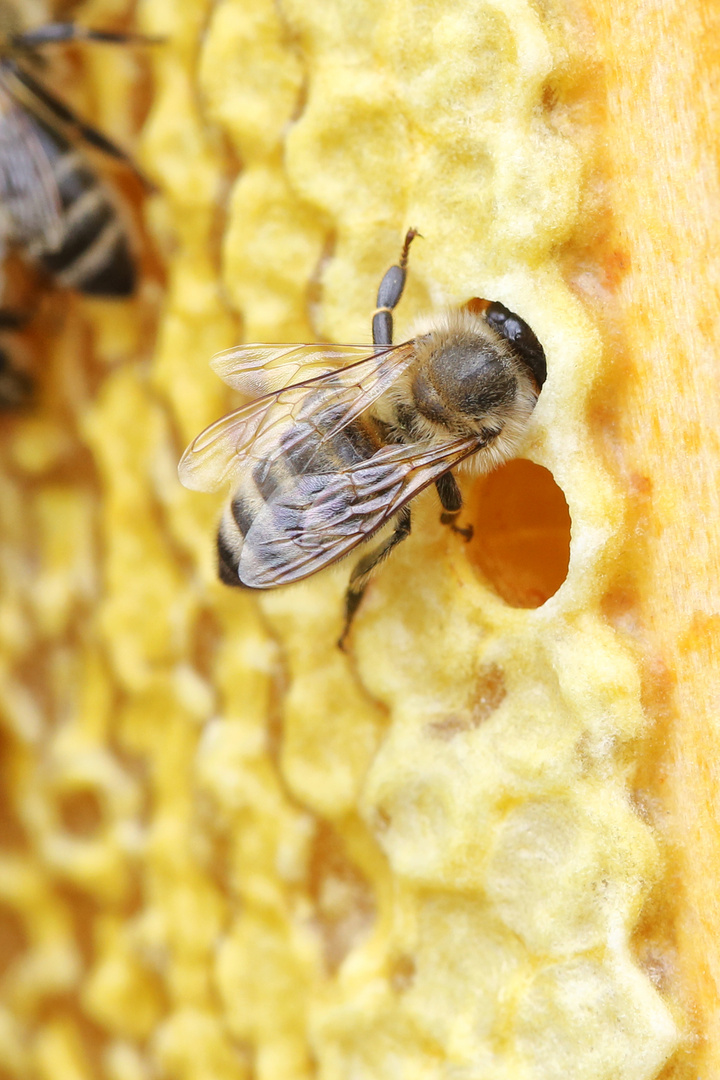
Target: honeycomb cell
80	812
13	937
582	996
557	871
521	541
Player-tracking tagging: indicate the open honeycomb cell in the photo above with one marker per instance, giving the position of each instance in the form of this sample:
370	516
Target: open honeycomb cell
229	851
521	533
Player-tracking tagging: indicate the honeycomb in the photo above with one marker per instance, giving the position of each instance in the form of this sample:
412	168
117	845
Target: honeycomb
230	851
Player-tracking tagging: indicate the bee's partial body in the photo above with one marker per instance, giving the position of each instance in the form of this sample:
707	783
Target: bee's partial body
300	464
322	465
88	250
56	208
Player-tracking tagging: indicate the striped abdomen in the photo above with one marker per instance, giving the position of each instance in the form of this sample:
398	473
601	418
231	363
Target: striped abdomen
277	497
93	255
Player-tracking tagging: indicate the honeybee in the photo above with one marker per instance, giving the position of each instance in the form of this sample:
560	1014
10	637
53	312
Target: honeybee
55	209
344	436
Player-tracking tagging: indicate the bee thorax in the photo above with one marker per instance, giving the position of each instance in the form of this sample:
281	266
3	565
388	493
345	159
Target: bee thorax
463	390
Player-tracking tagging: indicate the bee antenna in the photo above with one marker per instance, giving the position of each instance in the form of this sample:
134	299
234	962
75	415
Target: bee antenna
409	237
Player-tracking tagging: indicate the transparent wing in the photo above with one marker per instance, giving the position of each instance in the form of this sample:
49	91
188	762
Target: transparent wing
29	198
316	520
309	413
261	369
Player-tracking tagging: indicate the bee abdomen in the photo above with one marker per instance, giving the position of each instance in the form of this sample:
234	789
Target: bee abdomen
320	448
93	254
234	527
228	559
315	449
243	512
281	496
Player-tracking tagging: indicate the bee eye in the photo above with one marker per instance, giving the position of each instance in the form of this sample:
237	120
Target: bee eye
518	333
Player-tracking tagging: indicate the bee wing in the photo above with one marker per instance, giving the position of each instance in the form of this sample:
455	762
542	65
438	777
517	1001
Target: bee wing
254	433
30	204
316	520
261	369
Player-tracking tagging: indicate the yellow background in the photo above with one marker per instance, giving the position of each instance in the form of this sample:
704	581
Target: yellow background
234	852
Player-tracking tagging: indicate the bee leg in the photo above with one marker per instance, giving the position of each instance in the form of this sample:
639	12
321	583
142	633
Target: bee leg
16	388
451	501
364	568
84	132
10	319
57	33
389	293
